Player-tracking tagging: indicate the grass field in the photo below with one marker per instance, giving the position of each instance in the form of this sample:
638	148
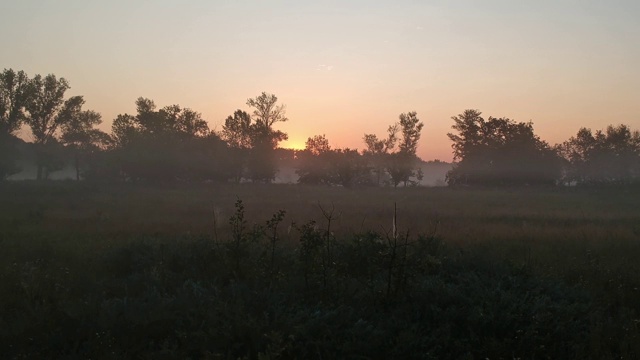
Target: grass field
127	271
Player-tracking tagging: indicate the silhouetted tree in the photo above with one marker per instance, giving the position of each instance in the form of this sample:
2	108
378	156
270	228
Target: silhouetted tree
609	156
318	144
47	112
205	158
499	151
400	165
348	168
266	113
162	145
264	138
184	122
170	122
82	138
410	126
14	95
319	164
402	168
314	161
377	151
237	132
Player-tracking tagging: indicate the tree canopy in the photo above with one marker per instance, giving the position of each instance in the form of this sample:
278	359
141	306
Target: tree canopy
398	165
499	151
254	138
606	156
15	93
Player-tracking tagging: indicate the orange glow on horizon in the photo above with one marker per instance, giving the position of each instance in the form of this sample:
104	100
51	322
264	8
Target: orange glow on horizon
293	144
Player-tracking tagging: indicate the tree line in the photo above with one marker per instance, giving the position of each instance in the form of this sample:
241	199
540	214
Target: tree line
172	143
501	151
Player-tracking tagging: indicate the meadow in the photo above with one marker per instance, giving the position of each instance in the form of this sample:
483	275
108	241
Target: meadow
221	271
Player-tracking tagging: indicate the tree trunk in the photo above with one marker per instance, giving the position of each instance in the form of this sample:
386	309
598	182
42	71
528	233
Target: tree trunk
77	164
39	160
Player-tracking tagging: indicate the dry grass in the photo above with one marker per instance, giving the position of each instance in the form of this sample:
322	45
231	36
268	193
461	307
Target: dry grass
462	214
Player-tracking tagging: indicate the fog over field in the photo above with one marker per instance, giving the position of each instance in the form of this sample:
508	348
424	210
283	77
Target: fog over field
434	174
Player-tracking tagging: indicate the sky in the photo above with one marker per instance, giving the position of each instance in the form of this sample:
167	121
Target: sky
342	67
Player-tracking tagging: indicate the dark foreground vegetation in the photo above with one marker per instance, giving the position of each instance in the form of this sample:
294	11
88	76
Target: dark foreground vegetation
266	272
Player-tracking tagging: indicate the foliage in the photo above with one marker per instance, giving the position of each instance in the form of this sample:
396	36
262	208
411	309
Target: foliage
14	95
314	161
266	114
264	138
15	91
499	151
54	122
167	145
253	139
169	123
318	163
611	156
410	126
79	135
400	165
47	111
376	152
348	168
236	130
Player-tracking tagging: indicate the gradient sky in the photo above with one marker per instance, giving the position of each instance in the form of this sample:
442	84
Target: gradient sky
343	68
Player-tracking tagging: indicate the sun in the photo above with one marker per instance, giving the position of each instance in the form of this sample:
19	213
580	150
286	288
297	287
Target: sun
293	144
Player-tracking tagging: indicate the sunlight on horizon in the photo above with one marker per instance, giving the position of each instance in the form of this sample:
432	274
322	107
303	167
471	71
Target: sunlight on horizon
294	144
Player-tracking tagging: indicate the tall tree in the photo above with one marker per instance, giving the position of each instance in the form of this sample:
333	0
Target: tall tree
499	151
318	163
377	151
400	164
169	122
348	168
236	130
606	156
314	162
264	138
168	144
411	128
80	135
47	112
184	122
14	94
237	133
317	144
267	112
